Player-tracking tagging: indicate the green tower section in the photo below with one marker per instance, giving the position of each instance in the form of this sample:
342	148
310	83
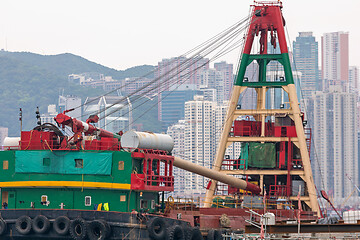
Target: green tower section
263	60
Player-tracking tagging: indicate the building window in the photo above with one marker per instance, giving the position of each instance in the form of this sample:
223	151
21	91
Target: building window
152	204
122	198
46	162
143	204
44	200
121	165
6	165
88	201
79	163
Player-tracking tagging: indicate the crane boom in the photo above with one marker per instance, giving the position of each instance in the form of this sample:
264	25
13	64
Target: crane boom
78	126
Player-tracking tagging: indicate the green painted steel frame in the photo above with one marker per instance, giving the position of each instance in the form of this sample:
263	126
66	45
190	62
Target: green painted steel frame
263	60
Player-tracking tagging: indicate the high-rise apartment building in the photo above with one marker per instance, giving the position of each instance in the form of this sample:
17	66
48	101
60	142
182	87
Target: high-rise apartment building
197	144
354	79
179	70
196	139
248	97
233	151
199	140
138	86
275	96
227	70
177	132
305	59
214	79
355	88
335	59
336	141
176	71
172	103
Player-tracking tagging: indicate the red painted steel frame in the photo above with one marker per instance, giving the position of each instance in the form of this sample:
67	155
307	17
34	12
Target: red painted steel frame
151	179
268	18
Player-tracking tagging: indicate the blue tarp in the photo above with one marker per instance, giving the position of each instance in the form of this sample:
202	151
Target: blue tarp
63	162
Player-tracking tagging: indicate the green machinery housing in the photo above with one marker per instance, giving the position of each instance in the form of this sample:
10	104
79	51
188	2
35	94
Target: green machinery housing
83	180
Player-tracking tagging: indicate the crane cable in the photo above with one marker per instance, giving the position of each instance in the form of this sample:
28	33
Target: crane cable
225	50
169	92
184	66
229	29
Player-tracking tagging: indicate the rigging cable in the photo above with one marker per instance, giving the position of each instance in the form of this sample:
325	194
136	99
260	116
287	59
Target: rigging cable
239	23
228	49
176	82
187	64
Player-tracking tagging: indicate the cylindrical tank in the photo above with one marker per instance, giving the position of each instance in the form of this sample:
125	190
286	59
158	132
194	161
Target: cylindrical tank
146	140
11	143
216	175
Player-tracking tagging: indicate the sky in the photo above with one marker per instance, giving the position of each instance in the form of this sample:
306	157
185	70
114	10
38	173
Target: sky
122	34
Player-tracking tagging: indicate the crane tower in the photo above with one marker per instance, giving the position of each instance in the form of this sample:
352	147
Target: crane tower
276	142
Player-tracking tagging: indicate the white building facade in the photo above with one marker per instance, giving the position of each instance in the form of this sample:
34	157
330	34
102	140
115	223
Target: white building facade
335	59
336	142
177	132
196	140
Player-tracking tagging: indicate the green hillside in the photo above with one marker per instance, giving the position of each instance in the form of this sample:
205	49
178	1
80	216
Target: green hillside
29	80
67	63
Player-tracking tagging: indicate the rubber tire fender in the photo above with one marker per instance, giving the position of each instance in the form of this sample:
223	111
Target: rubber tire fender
157	228
176	233
188	232
78	229
100	228
196	234
3	227
108	228
59	221
19	225
214	235
45	224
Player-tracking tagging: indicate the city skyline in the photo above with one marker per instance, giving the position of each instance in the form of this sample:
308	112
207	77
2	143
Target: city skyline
80	28
184	148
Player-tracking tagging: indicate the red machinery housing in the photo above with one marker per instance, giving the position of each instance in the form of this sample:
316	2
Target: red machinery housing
155	173
251	128
38	140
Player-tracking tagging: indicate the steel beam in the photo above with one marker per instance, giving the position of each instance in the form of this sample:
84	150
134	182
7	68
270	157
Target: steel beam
262	139
307	228
262	171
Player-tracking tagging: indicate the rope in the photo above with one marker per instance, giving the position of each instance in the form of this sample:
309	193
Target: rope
31	132
48	145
